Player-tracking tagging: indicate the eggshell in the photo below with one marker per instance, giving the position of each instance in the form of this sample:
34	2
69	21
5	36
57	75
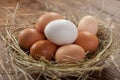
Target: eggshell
88	23
70	53
87	41
28	36
43	48
45	19
61	32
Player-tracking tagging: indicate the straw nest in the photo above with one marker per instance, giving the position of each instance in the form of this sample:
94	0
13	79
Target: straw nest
21	62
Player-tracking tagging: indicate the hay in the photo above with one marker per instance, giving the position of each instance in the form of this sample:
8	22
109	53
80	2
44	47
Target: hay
25	64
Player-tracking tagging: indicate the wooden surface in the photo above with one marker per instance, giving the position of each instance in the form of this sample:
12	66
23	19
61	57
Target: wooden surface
76	7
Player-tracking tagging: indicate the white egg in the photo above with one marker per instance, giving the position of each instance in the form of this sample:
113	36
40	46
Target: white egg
61	32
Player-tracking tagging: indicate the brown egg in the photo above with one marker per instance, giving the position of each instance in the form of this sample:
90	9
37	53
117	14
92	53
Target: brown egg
88	23
28	36
43	48
70	53
87	41
45	19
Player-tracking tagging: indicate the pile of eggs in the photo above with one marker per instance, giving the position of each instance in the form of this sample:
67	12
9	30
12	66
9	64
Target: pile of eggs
56	38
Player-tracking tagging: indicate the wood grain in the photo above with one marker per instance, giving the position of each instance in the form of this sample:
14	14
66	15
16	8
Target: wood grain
78	8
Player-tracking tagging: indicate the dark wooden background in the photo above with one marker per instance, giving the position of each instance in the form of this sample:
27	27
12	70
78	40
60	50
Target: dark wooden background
78	8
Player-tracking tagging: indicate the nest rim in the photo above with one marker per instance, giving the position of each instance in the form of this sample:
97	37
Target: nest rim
20	60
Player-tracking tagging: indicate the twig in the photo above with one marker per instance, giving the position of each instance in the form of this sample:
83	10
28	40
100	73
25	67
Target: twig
13	16
1	78
116	65
2	66
102	9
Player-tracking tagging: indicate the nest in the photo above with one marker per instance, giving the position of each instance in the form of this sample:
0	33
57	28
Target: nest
25	64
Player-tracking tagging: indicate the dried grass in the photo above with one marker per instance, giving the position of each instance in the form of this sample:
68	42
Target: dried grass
21	62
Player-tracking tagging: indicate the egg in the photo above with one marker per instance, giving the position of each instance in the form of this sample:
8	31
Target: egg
61	32
43	48
70	53
45	19
87	41
28	36
88	23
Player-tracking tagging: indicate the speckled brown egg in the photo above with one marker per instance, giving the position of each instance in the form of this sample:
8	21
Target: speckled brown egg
87	41
45	19
70	53
43	48
28	36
